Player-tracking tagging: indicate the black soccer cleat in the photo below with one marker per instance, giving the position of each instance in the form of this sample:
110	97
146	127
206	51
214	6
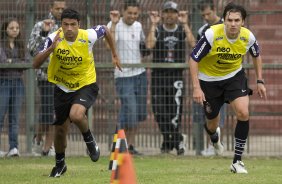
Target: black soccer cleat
58	171
93	150
133	151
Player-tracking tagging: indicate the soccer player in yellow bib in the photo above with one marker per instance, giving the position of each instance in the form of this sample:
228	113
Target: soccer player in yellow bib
72	69
218	76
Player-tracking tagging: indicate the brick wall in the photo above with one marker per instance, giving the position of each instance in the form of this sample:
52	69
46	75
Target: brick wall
265	22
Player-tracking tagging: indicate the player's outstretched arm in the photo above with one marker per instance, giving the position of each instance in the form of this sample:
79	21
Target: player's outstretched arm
112	45
39	59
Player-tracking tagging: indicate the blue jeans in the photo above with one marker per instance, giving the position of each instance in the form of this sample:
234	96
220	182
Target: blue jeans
11	98
132	92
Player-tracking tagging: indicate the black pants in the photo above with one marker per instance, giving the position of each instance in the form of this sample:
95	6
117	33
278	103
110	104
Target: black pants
167	99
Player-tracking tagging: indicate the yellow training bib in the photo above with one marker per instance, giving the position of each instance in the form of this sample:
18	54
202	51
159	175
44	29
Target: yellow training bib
224	57
72	65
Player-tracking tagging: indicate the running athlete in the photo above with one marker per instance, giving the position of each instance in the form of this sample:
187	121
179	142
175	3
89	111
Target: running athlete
209	14
168	41
72	69
218	76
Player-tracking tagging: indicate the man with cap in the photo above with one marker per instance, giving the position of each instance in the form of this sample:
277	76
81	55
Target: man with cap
168	41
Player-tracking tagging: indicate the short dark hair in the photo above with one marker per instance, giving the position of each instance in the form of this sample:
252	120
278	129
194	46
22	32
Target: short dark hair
128	3
232	7
53	2
203	4
70	14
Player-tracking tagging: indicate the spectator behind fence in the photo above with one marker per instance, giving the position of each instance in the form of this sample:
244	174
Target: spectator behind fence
76	89
131	83
218	77
209	14
38	34
168	42
11	82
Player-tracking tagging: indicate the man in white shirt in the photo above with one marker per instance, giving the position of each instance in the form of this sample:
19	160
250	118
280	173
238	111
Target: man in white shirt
131	83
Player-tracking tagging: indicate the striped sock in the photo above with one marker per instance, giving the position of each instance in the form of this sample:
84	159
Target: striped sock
241	134
60	159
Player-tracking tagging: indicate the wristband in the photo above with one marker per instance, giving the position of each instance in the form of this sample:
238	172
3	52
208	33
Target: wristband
260	82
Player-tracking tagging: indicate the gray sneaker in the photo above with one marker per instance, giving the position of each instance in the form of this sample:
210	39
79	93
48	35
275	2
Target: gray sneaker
13	153
209	151
36	148
2	154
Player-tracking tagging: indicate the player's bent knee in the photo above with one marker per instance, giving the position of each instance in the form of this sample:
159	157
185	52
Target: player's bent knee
243	115
75	118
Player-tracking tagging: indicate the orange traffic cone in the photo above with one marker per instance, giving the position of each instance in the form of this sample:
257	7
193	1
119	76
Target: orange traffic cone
121	162
126	170
113	150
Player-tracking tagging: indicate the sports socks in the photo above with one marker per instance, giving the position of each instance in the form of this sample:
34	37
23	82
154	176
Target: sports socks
60	159
89	141
241	134
87	136
213	135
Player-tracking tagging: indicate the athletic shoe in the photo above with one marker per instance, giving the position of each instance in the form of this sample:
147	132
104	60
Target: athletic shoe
13	153
58	171
93	150
218	146
133	151
2	154
36	149
209	151
238	167
182	145
50	152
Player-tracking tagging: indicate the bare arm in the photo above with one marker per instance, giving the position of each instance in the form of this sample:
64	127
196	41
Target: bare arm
39	59
198	94
115	16
258	68
190	37
111	43
151	39
183	19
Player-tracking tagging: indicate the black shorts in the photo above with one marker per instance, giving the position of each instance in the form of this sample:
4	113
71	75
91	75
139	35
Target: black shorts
219	92
63	101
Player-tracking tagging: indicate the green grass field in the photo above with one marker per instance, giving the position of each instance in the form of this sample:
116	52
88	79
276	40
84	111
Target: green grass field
166	169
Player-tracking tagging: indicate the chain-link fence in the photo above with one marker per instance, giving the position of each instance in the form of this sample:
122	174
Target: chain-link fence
265	123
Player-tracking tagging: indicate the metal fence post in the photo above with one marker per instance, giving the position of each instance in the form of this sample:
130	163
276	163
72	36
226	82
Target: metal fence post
198	136
30	84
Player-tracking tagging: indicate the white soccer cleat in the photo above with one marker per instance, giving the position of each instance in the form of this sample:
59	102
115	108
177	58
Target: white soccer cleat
238	167
218	146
